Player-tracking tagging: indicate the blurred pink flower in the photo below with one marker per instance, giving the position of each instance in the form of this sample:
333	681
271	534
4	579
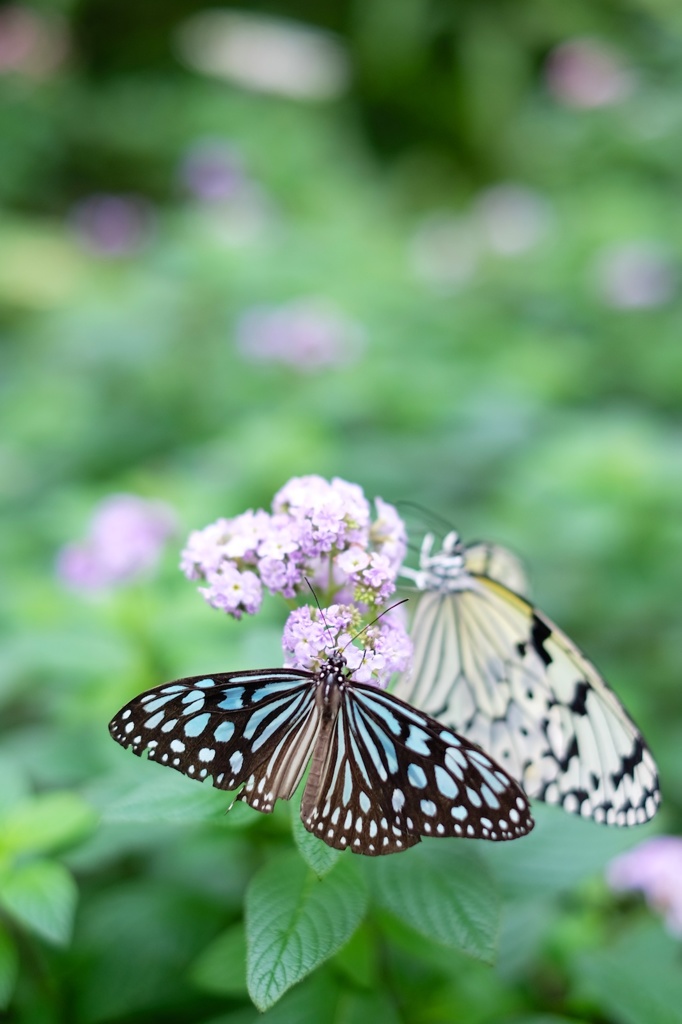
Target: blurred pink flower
212	171
585	73
512	218
637	275
307	334
31	43
655	869
125	540
113	225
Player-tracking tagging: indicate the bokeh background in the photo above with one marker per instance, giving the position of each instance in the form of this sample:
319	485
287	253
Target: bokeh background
432	247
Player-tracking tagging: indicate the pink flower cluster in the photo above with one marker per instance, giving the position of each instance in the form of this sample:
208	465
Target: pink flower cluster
310	636
125	541
318	530
654	868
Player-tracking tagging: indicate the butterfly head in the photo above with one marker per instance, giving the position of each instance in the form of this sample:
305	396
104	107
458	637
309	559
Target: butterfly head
445	564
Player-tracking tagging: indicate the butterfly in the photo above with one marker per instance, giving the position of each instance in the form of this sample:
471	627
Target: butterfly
492	667
382	774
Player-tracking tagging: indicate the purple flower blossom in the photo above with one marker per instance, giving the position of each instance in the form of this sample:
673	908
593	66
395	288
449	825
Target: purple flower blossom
308	335
232	591
587	73
212	171
637	275
319	530
388	535
113	225
655	869
32	43
383	649
125	541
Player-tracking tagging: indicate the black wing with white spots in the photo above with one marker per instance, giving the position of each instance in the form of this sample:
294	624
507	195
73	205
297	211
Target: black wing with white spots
382	774
242	728
490	666
393	775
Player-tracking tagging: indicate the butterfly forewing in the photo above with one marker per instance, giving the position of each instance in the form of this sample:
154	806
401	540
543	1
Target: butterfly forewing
240	727
485	559
490	666
393	775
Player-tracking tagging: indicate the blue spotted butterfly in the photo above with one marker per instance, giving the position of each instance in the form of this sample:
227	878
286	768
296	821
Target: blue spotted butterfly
382	774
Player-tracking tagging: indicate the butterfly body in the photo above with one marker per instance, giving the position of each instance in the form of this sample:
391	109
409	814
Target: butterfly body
382	774
490	666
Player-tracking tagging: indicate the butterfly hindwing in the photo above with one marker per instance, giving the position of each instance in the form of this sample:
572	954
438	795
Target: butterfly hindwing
393	775
242	727
489	665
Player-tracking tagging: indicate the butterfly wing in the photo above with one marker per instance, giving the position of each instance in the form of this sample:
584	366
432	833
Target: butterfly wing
256	728
484	559
392	775
489	665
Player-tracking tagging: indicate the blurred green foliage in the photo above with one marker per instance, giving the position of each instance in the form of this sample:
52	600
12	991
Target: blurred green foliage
529	391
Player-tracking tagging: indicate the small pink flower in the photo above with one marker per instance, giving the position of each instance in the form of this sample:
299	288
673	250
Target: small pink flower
110	225
635	275
308	335
587	73
655	869
125	541
373	656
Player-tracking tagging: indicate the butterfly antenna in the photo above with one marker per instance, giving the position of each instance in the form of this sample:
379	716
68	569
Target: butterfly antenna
380	616
425	513
319	608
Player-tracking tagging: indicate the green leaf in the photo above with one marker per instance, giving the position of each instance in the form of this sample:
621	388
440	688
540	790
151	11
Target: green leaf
317	855
41	896
295	921
170	797
310	1003
9	967
443	891
358	959
541	1018
46	823
360	1007
635	981
560	852
221	968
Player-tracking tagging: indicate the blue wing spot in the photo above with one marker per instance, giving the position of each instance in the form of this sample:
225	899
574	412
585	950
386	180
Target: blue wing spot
193	708
446	784
232	699
416	776
206	754
417	741
172	689
460	813
196	726
428	807
236	761
455	762
224	732
474	798
170	724
205	683
152	722
154	705
347	785
489	797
